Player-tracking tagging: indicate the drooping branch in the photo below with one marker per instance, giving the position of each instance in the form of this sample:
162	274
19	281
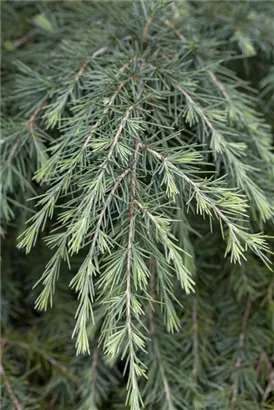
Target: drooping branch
224	216
83	284
220	86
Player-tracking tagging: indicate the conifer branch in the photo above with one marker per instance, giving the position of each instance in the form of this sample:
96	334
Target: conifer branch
199	109
190	182
148	152
116	137
32	348
241	346
103	169
221	147
28	126
64	369
269	388
82	281
83	67
215	80
244	120
131	235
111	101
104	210
134	393
7	384
14	399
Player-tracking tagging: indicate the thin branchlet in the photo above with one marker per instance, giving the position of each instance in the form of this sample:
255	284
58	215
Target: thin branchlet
16	403
152	328
131	232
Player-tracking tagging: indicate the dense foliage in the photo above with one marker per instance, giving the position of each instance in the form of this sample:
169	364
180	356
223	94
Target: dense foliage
137	196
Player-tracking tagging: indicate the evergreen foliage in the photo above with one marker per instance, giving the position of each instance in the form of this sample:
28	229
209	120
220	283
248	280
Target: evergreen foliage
137	195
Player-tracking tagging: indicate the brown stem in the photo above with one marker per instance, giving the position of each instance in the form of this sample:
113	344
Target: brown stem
23	40
83	67
28	126
216	81
175	9
178	34
52	401
7	384
146	30
245	320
